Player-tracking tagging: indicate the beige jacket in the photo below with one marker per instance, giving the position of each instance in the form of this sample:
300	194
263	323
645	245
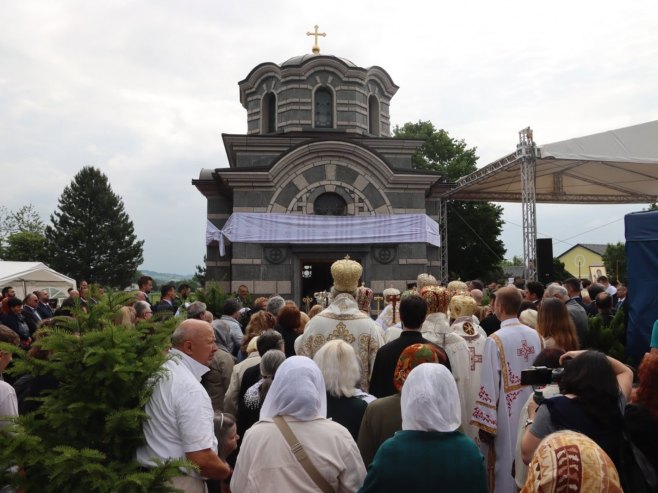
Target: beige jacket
266	463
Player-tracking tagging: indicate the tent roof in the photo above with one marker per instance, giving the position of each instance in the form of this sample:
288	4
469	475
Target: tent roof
31	271
614	167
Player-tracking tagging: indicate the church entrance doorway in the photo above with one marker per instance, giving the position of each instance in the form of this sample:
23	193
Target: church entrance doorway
316	277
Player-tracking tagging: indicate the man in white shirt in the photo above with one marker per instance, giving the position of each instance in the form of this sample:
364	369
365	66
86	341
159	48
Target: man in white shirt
507	352
180	411
8	401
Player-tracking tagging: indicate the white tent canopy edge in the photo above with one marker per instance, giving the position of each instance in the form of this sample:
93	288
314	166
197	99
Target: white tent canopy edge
26	277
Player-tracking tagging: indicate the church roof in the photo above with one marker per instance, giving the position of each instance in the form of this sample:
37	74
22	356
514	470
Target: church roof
300	59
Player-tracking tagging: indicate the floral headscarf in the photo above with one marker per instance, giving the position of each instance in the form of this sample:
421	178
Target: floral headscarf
413	356
570	461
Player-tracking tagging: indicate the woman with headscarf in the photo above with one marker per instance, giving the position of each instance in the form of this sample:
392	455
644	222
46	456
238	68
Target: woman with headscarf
436	328
430	453
252	397
570	461
383	416
266	462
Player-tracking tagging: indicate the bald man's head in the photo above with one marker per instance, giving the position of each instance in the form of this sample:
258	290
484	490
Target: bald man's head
196	338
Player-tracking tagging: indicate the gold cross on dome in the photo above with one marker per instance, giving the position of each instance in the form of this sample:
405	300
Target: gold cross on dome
316	48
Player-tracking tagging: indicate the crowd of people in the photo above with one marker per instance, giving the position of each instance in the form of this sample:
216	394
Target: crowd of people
439	392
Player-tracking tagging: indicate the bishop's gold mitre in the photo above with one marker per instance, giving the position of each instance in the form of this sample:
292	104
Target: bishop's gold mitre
346	274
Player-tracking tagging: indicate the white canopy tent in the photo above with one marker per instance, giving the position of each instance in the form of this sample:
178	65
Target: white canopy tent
26	277
614	167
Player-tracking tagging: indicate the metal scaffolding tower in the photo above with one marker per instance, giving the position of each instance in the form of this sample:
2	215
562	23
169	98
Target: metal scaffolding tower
443	231
526	150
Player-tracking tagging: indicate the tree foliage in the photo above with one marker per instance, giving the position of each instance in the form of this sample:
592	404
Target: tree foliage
608	339
91	236
474	228
21	234
213	296
200	274
25	246
614	259
559	270
83	436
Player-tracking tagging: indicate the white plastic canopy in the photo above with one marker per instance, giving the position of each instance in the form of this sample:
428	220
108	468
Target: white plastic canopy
26	277
246	227
614	167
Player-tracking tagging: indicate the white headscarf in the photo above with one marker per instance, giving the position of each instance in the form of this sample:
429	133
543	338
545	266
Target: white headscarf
430	401
297	390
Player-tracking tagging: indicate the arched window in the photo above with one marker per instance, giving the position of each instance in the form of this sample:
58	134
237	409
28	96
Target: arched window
373	115
268	114
330	204
324	108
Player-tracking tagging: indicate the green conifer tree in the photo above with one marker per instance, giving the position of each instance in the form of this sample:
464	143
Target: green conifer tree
83	436
91	236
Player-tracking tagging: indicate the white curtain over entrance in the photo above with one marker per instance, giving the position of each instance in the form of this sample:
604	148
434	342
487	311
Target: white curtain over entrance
246	227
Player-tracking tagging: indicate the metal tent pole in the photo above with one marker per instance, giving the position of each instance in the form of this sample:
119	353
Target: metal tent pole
443	231
526	150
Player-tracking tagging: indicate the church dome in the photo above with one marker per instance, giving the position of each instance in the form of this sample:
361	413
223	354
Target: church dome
301	59
317	93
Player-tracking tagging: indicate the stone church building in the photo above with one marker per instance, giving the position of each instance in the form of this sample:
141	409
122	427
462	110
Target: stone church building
317	144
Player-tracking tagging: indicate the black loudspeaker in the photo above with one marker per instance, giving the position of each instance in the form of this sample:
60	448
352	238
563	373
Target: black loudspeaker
545	260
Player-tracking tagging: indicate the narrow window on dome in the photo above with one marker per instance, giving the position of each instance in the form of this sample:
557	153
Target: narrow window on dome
268	114
373	115
324	108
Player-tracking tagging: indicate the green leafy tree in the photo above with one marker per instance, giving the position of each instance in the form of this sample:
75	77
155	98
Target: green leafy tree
475	249
559	270
515	261
608	339
614	260
91	236
213	296
25	246
83	435
24	220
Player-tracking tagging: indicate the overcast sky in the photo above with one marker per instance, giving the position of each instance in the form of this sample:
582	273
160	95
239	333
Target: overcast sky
144	89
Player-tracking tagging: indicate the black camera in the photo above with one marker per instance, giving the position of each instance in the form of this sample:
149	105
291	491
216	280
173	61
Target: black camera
541	375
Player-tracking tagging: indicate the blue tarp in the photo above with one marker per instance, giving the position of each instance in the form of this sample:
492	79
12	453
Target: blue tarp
642	255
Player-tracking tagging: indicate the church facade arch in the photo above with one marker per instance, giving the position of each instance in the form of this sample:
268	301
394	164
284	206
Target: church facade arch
355	173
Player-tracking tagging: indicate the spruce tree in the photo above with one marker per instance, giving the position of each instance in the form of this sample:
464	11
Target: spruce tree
91	236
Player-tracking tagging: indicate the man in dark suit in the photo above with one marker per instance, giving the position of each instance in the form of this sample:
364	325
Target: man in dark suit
43	308
15	321
573	288
534	292
145	285
166	305
30	314
413	310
